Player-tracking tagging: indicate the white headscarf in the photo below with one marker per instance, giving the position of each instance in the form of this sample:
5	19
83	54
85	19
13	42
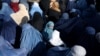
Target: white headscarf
55	40
77	50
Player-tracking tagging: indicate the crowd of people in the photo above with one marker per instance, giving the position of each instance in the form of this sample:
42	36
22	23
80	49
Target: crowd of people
49	27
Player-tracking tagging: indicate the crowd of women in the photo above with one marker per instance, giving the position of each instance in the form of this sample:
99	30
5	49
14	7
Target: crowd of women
49	27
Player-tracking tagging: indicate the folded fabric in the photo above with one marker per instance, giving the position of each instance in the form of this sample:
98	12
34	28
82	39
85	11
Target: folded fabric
30	37
6	9
55	40
6	49
18	16
8	31
4	44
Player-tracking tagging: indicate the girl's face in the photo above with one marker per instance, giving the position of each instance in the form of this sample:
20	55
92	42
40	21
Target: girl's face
15	1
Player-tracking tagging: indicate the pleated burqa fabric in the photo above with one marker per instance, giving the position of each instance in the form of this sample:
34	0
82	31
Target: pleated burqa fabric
30	37
8	30
7	50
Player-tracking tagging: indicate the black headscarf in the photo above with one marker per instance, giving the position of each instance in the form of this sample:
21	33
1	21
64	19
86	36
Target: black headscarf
37	21
44	4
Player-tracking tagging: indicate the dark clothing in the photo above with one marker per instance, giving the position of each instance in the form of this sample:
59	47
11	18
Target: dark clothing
62	4
39	50
89	2
96	49
53	15
58	51
71	31
37	21
44	4
18	36
88	42
98	5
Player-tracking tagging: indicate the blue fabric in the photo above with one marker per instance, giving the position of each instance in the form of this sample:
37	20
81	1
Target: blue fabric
57	51
82	4
30	37
4	44
7	50
9	31
90	30
7	1
71	5
9	27
62	20
6	11
39	50
88	13
65	16
35	8
49	30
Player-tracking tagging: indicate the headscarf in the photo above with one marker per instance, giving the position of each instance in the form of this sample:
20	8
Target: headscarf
49	29
37	21
56	40
15	5
77	50
90	30
35	8
65	16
